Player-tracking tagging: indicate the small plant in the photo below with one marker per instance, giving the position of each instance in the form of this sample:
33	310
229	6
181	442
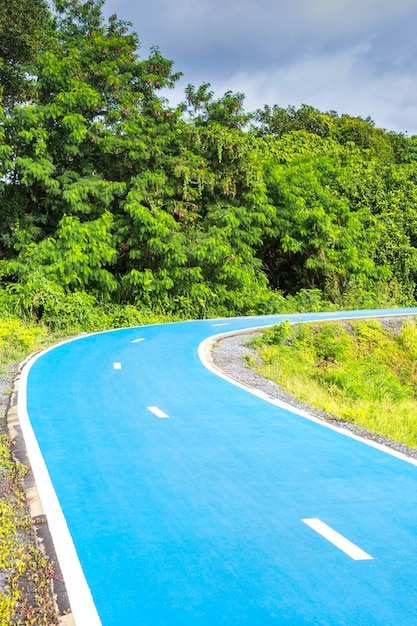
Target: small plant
407	339
276	335
249	360
331	342
17	339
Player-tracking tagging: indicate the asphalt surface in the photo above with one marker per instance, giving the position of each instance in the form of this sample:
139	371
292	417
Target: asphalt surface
176	498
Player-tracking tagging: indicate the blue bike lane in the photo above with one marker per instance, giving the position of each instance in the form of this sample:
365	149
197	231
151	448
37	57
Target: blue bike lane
176	498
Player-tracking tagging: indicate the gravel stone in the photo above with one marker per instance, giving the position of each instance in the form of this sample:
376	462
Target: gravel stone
6	385
229	354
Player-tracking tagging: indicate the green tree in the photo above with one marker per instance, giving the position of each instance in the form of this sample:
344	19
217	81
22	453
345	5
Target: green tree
278	121
186	198
25	27
345	218
95	124
318	239
409	154
204	110
363	134
107	191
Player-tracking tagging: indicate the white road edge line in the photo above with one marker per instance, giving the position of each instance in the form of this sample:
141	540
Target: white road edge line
338	540
204	350
156	411
222	324
117	366
81	600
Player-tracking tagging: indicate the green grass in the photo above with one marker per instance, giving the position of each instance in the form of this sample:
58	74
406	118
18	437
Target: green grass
357	371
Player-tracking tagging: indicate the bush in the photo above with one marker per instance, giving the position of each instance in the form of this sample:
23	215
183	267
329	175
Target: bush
17	339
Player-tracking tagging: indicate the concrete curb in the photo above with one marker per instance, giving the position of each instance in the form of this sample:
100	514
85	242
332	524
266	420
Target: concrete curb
36	511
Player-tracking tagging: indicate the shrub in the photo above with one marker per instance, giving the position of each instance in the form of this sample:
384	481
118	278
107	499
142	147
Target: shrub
17	339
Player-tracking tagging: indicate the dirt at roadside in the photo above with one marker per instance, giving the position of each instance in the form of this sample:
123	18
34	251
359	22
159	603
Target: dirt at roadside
6	385
37	591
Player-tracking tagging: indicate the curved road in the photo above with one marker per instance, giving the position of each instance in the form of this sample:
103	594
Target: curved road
177	499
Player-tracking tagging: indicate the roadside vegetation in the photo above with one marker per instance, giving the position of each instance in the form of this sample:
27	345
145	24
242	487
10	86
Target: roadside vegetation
359	372
111	196
25	572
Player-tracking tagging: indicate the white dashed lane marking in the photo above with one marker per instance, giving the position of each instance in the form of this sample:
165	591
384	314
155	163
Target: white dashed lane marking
349	548
156	411
117	366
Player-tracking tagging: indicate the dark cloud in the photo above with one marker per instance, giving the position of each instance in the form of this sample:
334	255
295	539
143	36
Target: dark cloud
353	56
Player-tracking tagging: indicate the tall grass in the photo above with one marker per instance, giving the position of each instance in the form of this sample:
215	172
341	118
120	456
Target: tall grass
357	371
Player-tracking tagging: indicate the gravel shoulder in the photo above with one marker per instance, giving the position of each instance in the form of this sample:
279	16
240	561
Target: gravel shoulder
228	355
6	384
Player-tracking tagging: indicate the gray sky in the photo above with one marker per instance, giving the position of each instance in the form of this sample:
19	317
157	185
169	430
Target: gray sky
351	56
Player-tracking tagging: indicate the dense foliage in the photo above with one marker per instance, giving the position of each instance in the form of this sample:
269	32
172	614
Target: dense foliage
110	196
25	27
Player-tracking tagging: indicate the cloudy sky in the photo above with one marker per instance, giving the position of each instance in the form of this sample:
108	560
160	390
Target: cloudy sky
351	56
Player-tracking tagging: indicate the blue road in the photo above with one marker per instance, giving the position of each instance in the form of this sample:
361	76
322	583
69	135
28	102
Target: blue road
184	495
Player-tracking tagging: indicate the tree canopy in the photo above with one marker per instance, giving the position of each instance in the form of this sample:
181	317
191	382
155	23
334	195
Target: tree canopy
109	191
24	30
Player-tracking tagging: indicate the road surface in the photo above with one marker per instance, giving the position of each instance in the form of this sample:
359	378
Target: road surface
178	499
